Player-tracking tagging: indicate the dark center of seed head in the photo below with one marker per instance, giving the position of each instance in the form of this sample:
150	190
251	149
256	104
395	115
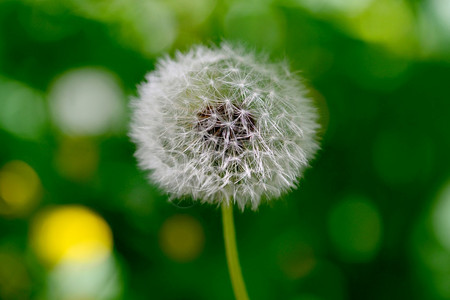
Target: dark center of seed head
226	125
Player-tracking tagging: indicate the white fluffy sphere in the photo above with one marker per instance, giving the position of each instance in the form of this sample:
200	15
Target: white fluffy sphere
218	124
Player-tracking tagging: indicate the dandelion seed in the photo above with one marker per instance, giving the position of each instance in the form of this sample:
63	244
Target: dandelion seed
219	124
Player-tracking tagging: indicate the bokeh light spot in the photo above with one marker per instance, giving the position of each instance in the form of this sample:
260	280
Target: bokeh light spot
431	246
193	12
441	10
149	26
70	233
22	110
77	158
386	22
14	277
182	238
441	217
355	229
20	189
96	280
87	102
298	261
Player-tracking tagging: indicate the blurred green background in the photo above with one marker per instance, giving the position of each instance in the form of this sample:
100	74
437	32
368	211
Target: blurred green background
370	220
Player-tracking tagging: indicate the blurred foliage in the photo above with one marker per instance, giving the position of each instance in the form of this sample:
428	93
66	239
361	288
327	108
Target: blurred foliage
370	219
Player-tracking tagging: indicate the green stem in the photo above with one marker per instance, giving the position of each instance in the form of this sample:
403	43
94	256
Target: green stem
234	267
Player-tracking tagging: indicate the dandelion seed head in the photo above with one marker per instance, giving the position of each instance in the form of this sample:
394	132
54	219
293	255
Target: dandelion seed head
216	124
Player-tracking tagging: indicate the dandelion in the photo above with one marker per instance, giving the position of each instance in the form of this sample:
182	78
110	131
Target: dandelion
221	126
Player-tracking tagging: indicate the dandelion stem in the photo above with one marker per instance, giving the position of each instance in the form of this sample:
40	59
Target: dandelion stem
234	267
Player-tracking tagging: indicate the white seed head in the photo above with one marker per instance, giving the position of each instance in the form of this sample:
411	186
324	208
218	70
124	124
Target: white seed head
216	124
